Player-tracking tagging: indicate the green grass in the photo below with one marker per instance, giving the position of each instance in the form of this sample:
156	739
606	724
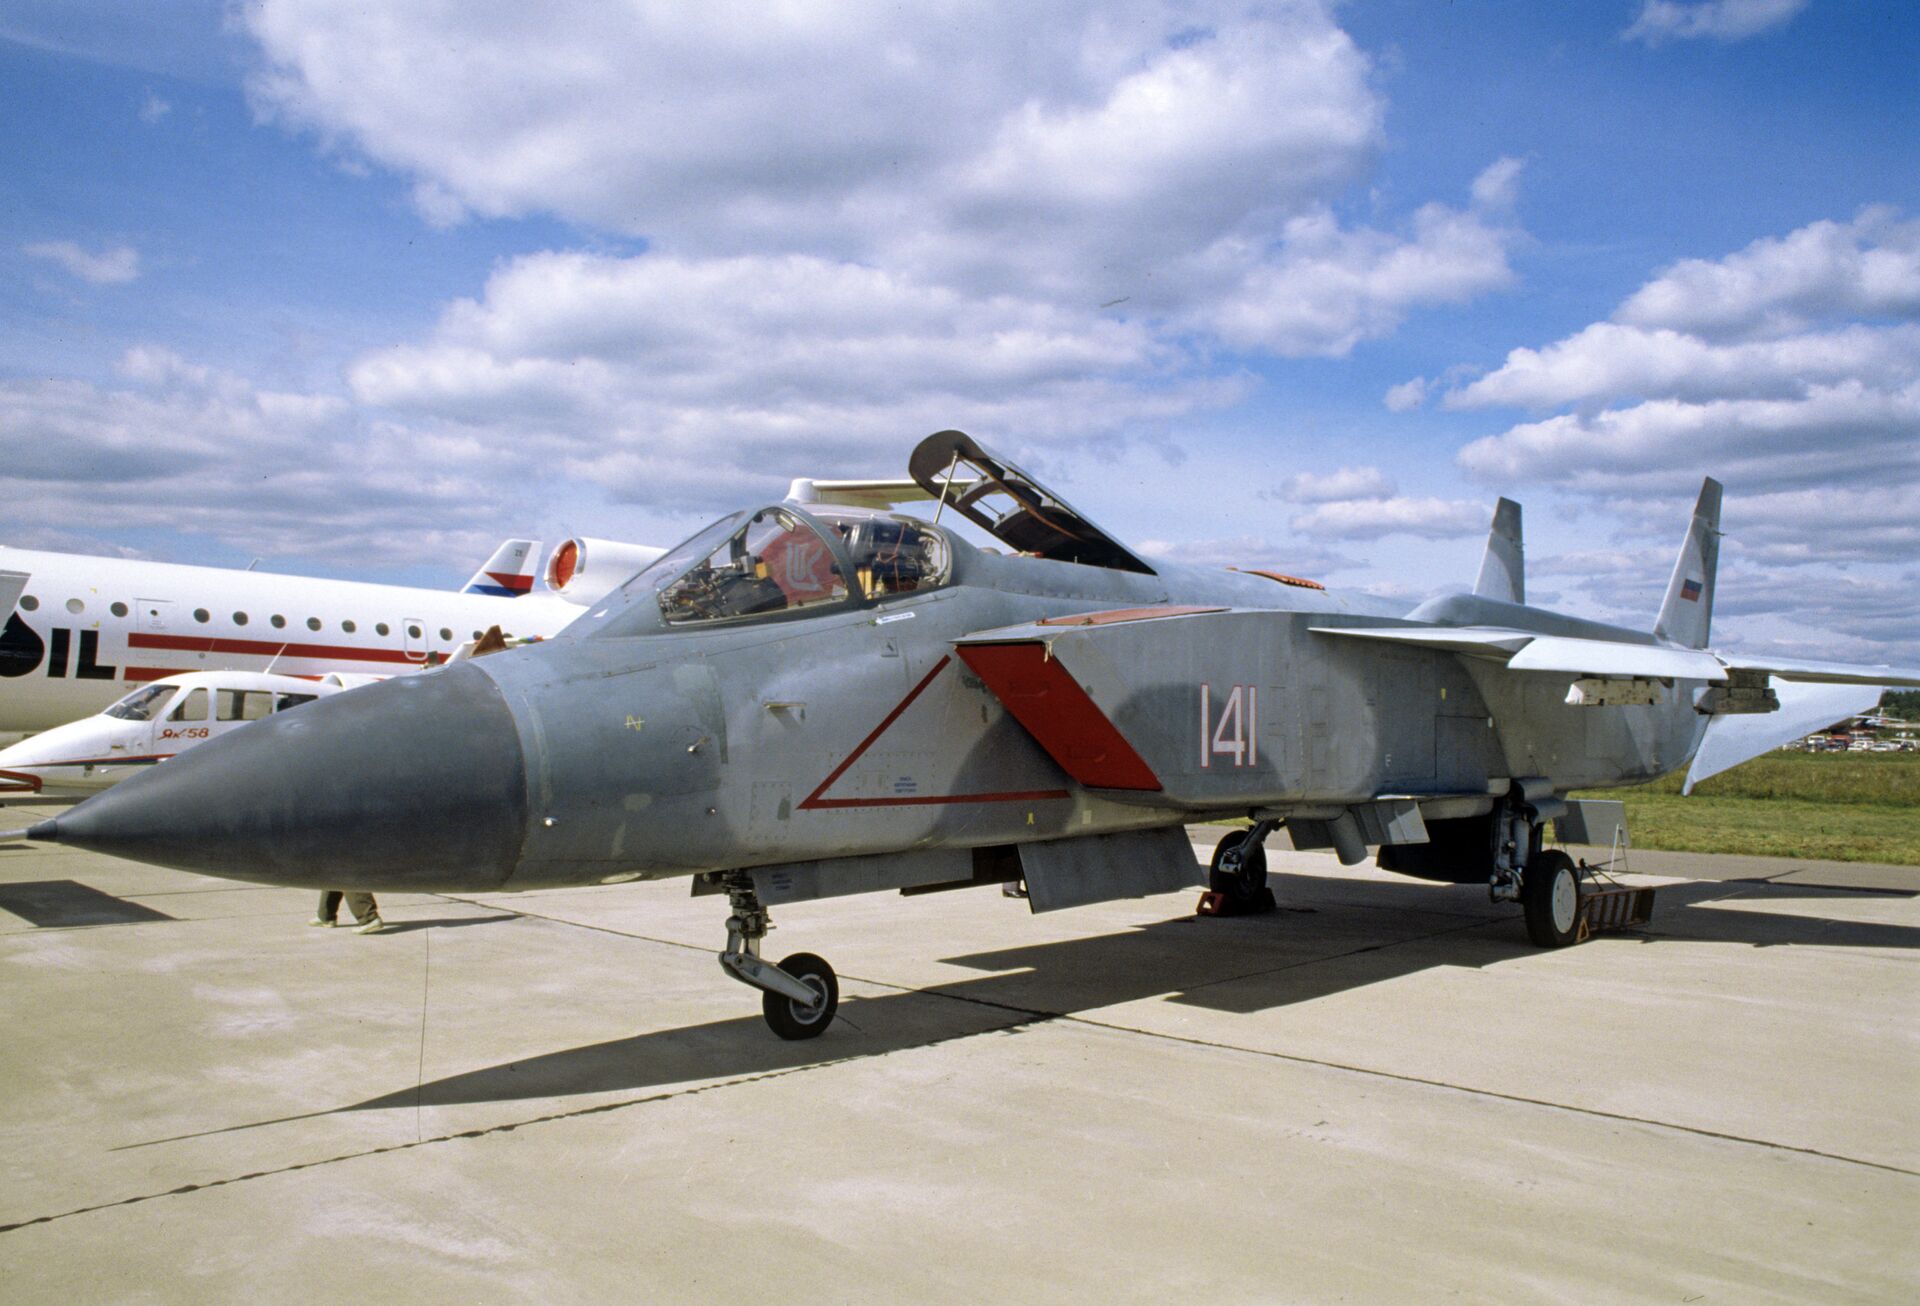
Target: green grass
1845	807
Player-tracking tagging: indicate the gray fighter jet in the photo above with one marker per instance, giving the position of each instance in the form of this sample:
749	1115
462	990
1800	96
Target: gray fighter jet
804	701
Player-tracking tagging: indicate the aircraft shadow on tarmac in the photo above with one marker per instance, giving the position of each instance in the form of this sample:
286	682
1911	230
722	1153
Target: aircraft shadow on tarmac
440	923
1361	933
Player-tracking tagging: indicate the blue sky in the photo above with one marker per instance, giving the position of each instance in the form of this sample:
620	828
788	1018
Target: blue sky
1300	285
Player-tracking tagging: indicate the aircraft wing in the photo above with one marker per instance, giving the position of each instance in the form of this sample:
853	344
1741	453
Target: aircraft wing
1731	740
1523	650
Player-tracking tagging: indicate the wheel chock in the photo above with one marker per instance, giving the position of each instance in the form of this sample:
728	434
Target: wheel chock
1215	903
1612	909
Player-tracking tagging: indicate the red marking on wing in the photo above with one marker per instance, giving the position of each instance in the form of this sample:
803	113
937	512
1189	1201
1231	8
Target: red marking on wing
1281	576
1057	712
814	801
1116	615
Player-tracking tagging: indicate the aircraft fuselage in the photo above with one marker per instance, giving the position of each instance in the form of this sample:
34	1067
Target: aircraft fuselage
600	757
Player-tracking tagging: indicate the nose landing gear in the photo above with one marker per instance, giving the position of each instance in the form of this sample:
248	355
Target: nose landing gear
799	996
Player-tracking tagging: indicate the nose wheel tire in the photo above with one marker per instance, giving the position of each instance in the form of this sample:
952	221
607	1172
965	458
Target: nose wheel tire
1550	897
794	1020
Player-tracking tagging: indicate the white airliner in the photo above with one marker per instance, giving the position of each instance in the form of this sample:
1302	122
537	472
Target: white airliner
84	629
152	724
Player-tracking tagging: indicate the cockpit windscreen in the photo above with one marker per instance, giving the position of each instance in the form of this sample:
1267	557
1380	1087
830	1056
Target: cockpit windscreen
775	562
142	704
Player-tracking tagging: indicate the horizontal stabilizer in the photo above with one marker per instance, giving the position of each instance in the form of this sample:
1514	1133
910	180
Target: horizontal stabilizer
1804	708
1599	657
1523	650
1823	673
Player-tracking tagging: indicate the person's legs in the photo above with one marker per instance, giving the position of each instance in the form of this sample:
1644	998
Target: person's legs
363	907
328	909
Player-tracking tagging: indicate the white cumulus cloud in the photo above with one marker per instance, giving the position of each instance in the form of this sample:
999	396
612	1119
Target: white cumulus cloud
1719	20
1612	361
107	268
1782	365
1327	487
1180	158
1406	396
263	471
1868	267
1372	519
1789	369
651	374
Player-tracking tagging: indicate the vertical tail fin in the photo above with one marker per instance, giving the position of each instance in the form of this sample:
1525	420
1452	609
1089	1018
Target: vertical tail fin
1503	571
508	573
1688	611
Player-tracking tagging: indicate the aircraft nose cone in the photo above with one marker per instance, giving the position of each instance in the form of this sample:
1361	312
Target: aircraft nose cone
415	783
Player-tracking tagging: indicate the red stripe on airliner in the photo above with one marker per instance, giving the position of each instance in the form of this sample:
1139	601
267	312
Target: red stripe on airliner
101	761
272	648
19	782
139	674
814	802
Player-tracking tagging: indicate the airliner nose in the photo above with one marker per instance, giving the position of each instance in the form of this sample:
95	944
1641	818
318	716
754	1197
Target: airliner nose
415	783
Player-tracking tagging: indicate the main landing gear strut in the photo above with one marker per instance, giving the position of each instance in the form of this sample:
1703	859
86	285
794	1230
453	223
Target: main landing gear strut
799	996
1544	881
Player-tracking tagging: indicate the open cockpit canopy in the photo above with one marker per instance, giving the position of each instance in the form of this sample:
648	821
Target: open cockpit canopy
1011	506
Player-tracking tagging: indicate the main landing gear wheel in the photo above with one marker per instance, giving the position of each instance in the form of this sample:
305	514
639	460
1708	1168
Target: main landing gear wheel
1237	878
1550	897
795	1020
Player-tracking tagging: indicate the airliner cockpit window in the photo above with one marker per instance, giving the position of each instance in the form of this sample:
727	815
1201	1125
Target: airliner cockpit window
142	704
776	562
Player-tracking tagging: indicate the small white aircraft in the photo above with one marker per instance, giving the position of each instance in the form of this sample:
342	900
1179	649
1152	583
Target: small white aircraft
81	629
152	724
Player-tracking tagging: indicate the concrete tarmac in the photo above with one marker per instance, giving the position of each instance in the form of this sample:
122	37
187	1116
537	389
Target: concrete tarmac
1380	1093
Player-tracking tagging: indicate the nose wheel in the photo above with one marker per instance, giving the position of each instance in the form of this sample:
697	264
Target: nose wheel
798	1020
799	996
